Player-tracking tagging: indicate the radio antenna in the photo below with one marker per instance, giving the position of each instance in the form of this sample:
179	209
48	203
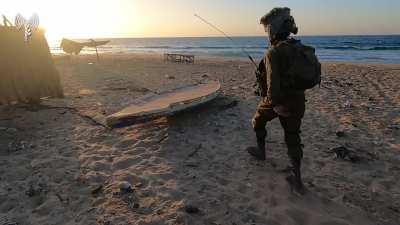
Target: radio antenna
228	37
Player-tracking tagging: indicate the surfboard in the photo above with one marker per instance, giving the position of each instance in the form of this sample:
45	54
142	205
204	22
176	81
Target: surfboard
166	103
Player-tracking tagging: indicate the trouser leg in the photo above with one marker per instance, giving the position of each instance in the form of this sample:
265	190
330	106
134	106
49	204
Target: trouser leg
291	126
259	124
261	135
263	114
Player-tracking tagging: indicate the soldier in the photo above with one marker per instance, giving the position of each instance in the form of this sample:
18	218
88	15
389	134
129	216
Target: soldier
279	99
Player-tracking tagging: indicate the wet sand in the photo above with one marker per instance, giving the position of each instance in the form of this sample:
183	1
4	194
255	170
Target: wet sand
59	165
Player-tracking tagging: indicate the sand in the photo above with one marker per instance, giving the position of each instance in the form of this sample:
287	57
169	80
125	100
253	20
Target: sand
59	165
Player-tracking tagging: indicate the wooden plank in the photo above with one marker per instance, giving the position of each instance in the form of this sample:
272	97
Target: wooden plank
166	103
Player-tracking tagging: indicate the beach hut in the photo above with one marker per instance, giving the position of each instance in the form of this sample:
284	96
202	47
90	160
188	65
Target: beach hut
27	70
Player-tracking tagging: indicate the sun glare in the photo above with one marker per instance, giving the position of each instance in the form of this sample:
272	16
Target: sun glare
75	18
174	18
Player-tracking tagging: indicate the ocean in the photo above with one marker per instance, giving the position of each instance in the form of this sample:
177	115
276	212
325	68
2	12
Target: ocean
368	49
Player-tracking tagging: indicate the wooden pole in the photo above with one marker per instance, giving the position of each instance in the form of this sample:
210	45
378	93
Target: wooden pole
95	47
97	54
6	22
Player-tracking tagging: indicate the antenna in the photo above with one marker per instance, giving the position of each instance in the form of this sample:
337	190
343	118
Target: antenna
228	37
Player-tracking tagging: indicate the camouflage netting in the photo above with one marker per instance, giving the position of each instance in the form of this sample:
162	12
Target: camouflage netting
27	70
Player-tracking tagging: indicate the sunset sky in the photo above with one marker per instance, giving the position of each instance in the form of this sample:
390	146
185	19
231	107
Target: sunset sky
170	18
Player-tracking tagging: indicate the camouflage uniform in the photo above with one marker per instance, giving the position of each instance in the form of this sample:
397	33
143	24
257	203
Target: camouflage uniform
277	61
279	97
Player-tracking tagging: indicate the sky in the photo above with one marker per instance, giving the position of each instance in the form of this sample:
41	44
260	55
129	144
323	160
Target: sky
174	18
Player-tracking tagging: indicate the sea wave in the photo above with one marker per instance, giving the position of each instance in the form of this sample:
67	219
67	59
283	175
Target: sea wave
200	47
359	48
376	48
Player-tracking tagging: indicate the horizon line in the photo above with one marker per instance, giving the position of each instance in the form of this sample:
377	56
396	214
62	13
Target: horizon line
234	36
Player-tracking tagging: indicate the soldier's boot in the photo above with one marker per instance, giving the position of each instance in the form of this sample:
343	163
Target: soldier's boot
294	179
259	151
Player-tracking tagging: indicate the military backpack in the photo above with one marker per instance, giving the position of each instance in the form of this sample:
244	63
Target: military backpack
305	69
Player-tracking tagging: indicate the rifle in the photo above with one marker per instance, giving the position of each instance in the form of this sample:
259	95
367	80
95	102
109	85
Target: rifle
259	68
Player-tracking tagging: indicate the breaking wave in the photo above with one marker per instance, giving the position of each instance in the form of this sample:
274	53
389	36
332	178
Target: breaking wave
376	48
202	47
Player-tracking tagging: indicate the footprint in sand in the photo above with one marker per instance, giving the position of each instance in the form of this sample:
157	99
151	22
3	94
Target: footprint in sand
144	144
273	202
272	222
129	143
334	223
301	217
125	162
100	166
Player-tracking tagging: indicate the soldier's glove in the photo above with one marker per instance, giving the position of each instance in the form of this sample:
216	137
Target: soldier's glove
256	89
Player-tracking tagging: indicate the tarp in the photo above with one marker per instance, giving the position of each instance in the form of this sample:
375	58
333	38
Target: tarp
75	47
71	47
27	70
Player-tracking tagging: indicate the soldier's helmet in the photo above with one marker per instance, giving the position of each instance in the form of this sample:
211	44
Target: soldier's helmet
279	20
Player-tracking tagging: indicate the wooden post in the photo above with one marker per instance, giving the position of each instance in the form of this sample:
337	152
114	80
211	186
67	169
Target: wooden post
95	47
97	54
6	22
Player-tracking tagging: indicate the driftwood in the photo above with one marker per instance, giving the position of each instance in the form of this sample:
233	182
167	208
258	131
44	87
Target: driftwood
27	70
72	110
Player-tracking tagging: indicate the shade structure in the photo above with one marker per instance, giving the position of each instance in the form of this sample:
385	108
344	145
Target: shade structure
27	70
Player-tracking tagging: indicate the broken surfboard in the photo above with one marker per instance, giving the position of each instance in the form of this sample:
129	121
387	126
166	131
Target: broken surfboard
165	103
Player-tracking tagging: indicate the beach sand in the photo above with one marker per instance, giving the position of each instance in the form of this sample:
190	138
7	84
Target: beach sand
59	165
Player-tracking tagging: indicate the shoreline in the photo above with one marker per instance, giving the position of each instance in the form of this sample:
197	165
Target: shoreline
209	58
239	36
